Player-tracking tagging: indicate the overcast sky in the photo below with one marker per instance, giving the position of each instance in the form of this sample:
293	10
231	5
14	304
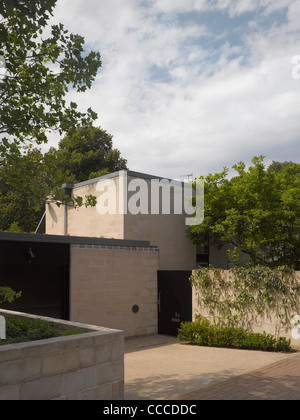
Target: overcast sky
190	86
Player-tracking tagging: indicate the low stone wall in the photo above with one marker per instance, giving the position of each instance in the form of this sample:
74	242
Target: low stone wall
88	366
265	322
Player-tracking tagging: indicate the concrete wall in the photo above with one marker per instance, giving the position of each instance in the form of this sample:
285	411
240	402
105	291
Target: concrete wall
267	322
167	231
87	366
54	219
86	221
106	282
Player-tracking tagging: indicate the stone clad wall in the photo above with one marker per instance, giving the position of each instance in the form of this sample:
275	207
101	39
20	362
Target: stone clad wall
87	366
266	322
106	282
167	231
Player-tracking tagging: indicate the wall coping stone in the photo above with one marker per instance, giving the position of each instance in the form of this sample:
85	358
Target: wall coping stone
75	240
54	368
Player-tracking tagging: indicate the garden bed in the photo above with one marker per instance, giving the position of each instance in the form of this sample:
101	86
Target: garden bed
20	330
88	364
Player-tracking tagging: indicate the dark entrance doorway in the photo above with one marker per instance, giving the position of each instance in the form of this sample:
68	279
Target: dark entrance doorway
41	272
174	300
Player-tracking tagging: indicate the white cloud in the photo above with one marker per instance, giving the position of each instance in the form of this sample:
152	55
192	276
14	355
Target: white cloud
232	7
212	106
274	6
236	7
178	6
294	15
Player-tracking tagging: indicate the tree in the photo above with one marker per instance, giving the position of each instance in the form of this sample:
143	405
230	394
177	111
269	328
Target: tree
25	181
39	72
280	166
27	176
257	212
88	152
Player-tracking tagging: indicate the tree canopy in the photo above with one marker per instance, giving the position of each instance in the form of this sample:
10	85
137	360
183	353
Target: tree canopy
39	64
40	70
83	154
88	152
26	178
257	212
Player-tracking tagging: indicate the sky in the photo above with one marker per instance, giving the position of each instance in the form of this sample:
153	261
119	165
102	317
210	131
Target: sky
190	86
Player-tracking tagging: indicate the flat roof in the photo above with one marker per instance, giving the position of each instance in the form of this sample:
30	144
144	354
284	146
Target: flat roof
73	240
119	174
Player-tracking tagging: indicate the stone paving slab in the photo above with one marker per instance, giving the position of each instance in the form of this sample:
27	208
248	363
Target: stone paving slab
160	368
278	381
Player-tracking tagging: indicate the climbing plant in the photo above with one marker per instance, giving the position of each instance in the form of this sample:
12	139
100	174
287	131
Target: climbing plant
239	296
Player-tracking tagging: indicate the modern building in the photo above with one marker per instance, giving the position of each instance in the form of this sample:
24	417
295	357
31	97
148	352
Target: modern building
130	206
124	263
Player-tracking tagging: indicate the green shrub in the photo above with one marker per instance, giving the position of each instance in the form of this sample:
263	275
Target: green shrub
202	333
22	330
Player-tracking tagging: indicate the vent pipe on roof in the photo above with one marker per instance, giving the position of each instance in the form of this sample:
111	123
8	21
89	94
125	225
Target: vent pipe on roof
68	188
65	216
40	224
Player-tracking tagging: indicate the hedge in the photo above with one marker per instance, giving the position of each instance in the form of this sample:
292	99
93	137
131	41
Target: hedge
202	333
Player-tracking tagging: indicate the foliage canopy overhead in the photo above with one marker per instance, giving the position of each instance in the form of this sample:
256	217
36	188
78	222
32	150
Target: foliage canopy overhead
42	64
255	212
88	153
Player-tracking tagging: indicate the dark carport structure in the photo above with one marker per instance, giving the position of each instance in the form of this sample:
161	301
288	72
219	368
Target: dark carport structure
39	267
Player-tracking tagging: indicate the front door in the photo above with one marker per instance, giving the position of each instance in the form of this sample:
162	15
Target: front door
174	300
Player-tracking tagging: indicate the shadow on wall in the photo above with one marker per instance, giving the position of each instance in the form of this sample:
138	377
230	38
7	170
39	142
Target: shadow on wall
52	214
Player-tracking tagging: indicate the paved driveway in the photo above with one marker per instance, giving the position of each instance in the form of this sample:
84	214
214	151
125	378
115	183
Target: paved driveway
161	368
